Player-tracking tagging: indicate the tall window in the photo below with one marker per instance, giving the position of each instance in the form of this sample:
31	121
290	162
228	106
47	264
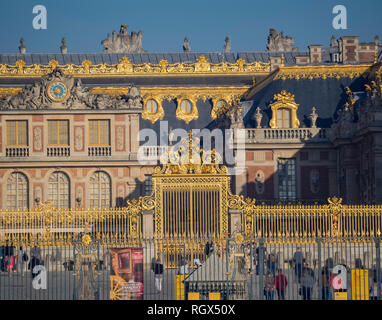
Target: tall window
99	132
100	190
283	118
17	191
58	132
17	133
148	185
287	179
186	106
59	190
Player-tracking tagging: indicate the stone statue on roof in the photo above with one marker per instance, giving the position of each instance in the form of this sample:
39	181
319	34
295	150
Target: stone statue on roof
186	45
123	42
279	42
227	45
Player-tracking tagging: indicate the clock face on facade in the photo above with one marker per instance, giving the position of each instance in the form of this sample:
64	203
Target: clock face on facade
57	91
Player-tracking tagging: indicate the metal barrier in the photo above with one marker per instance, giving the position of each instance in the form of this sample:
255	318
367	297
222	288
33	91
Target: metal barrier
232	269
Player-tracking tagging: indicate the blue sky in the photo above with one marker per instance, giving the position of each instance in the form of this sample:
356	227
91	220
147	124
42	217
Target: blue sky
165	23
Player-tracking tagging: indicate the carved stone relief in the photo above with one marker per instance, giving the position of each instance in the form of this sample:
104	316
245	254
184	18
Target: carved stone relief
37	139
79	138
120	145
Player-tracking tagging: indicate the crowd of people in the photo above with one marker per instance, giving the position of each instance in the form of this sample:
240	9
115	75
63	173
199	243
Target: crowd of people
17	259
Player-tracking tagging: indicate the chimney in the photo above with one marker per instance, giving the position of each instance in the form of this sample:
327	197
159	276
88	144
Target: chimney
315	53
22	47
276	62
348	47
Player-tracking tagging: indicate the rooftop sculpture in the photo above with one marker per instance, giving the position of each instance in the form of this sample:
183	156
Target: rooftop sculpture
123	42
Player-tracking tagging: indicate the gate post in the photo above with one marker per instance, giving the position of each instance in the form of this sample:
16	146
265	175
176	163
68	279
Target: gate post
319	267
261	268
378	266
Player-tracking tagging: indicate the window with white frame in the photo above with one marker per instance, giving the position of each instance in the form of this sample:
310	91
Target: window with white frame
59	190
100	190
286	169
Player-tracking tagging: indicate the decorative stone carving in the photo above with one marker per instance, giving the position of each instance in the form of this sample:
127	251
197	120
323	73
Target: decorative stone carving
344	127
259	182
120	138
227	45
235	115
279	42
313	117
37	137
78	138
314	181
258	117
186	45
58	91
123	42
333	42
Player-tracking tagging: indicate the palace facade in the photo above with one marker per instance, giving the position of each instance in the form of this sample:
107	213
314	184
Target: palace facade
70	123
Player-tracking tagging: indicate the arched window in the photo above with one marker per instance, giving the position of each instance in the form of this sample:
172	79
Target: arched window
283	118
186	106
17	191
100	190
59	190
152	106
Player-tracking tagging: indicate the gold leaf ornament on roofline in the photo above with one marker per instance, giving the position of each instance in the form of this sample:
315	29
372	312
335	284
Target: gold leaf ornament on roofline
150	115
181	114
124	67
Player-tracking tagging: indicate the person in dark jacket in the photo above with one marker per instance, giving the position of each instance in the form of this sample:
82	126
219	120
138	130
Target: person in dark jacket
158	275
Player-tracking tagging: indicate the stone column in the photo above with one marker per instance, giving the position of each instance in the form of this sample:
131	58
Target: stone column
148	224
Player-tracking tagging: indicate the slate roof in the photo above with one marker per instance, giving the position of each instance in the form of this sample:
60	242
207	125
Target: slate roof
113	58
327	96
290	57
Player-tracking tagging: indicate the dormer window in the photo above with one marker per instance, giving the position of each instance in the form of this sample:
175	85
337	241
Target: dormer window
284	118
284	111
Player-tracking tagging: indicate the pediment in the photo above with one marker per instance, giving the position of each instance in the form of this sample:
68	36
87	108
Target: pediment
59	91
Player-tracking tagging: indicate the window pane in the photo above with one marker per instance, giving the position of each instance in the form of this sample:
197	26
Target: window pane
11	133
152	106
64	132
93	132
58	190
17	191
105	132
186	106
52	132
22	133
100	190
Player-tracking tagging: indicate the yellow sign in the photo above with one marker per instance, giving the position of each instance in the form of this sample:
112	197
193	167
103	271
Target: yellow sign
214	296
193	296
179	286
340	295
360	284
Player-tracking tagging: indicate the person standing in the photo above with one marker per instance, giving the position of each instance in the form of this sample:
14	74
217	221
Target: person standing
326	284
269	288
21	259
298	260
307	283
281	284
158	275
9	259
35	258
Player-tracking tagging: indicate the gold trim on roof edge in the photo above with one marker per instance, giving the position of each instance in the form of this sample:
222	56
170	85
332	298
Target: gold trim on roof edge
322	72
125	67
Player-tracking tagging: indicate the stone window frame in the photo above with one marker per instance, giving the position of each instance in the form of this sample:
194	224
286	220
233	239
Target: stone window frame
60	187
102	194
15	186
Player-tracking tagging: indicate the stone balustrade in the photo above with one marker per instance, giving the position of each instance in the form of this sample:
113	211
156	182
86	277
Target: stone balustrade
17	152
296	135
58	151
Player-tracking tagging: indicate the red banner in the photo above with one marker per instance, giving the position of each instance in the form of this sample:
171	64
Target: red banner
126	274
